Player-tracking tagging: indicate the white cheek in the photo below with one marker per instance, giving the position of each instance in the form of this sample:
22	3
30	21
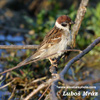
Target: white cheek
61	27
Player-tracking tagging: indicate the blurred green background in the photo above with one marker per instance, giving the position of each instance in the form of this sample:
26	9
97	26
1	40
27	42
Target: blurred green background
28	21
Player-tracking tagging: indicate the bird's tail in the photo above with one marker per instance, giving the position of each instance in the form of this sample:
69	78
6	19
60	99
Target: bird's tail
32	58
27	60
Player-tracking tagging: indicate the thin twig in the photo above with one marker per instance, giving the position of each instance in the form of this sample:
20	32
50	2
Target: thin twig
78	83
45	91
37	80
19	46
13	93
7	84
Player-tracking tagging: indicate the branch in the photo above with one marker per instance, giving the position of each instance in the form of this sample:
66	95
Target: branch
19	46
89	48
80	15
53	95
7	84
80	83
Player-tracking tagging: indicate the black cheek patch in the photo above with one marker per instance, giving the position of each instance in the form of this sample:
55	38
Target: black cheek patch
64	25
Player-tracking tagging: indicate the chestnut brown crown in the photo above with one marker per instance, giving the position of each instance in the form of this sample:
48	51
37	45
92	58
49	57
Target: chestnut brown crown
64	19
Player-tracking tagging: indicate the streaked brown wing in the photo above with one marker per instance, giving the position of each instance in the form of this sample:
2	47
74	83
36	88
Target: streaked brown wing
52	38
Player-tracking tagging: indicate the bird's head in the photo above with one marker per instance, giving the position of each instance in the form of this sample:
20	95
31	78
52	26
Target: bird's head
64	22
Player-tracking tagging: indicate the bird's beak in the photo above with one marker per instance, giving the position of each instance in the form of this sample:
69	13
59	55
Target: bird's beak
71	22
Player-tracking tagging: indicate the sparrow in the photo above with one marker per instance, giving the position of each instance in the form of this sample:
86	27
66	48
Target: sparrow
56	40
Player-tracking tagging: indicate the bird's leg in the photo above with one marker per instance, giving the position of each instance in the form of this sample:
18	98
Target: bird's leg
53	62
53	67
